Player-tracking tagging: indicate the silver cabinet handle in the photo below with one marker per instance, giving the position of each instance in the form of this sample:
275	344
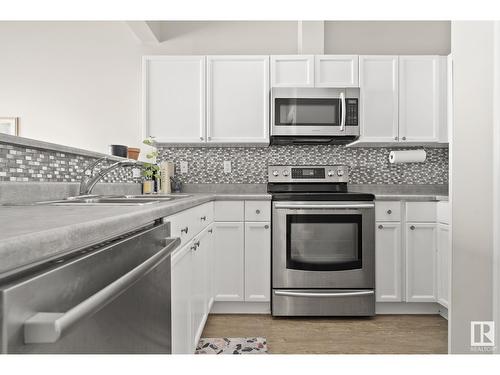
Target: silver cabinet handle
210	231
389	212
343	111
404	138
395	138
266	226
257	212
322	295
185	230
197	244
194	247
204	218
380	226
412	227
296	206
48	327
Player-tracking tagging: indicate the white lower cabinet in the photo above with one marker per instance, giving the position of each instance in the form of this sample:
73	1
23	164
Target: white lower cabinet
443	264
257	262
421	262
388	262
229	246
182	339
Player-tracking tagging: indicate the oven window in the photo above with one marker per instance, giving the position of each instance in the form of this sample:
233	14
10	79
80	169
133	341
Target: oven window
324	242
307	112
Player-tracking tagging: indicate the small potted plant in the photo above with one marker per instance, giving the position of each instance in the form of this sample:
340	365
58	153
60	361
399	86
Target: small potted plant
151	171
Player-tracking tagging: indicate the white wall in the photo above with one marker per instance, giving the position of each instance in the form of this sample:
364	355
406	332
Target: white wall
388	37
471	179
78	83
73	83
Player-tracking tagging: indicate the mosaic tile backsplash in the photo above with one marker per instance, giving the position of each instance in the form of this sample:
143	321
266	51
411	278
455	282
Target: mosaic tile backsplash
22	164
249	164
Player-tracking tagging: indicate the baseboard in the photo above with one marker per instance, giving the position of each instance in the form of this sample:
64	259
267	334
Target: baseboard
407	308
443	311
241	308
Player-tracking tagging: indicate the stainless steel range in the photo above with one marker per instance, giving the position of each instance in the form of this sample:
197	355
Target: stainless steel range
323	246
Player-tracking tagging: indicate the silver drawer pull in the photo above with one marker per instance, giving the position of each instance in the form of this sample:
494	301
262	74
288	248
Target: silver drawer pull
204	218
48	327
185	230
197	244
322	295
257	212
412	227
266	226
210	231
380	226
389	212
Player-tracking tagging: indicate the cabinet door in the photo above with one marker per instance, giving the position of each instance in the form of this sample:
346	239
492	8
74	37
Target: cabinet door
174	98
200	284
292	71
419	98
182	262
238	99
378	77
336	71
420	262
230	263
388	263
443	271
257	262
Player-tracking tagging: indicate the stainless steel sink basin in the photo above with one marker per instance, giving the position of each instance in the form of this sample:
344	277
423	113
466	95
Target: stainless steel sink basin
115	200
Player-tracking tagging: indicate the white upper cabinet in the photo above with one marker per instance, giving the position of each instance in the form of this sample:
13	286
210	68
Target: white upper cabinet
174	98
238	99
420	98
336	71
378	81
292	71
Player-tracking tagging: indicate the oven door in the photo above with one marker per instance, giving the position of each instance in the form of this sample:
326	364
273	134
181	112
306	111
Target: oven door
323	245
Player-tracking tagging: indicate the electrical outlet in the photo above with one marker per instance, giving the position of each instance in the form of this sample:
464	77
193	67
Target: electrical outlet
184	167
227	166
136	173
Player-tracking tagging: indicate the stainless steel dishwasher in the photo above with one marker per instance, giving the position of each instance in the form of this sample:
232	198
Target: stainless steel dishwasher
110	298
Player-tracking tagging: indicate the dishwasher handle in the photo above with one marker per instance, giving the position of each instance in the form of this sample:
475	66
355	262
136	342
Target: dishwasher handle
48	327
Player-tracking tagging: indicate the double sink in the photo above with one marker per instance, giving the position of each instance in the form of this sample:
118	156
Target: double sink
115	200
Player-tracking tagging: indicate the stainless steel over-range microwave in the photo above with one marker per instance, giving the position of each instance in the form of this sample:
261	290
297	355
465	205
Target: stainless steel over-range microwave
314	115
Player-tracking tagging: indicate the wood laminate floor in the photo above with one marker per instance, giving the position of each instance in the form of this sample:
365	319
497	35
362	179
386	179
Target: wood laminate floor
383	334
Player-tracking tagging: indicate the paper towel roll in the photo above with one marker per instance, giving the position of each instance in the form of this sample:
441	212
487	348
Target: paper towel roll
409	156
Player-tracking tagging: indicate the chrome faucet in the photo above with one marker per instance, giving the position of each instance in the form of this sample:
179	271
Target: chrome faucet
87	183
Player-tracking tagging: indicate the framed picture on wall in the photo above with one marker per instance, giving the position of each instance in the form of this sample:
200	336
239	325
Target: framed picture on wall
9	125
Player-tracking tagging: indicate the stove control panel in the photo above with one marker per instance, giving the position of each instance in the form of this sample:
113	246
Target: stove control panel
308	173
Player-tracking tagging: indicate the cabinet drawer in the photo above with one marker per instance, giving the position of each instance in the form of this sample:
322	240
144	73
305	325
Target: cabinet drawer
421	211
184	225
203	215
388	211
257	210
229	211
443	212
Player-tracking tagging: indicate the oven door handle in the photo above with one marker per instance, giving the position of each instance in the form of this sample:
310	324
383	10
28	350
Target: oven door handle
325	206
323	295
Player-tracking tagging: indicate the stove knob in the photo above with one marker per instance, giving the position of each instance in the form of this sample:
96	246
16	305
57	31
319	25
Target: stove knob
276	173
330	173
285	173
340	172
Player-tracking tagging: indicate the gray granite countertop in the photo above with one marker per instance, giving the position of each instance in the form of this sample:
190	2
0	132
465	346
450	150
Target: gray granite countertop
34	233
411	197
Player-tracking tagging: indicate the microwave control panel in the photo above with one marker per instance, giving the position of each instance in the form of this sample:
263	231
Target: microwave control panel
351	118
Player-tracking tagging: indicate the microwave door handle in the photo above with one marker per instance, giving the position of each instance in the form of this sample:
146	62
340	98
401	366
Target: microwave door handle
342	111
48	327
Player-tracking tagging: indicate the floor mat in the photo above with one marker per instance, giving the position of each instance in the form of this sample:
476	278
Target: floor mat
232	345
